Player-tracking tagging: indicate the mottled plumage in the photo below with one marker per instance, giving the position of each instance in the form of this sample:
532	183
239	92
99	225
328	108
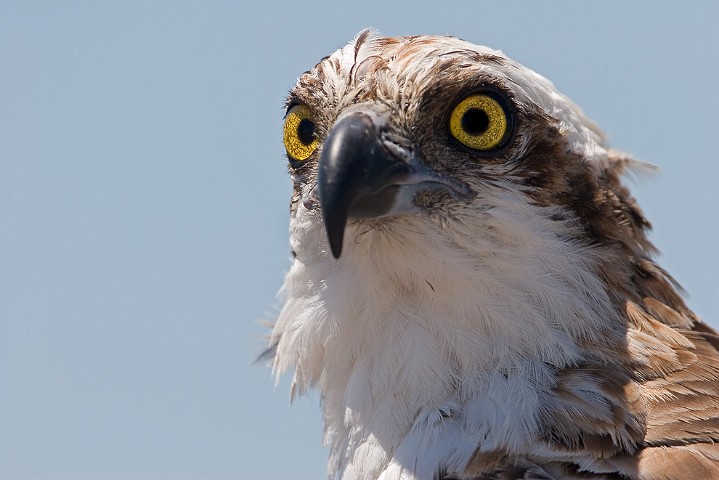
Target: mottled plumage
494	310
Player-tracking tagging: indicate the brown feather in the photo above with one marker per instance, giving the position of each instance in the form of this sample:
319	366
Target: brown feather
646	403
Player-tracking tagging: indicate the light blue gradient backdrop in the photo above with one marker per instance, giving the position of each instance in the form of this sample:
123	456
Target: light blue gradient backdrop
144	206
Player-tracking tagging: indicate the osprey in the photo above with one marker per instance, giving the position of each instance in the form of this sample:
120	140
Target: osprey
473	291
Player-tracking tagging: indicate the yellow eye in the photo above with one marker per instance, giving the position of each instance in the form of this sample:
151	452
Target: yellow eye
299	133
480	122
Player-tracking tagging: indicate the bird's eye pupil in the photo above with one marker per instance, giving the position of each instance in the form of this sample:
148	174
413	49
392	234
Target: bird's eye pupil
306	131
475	121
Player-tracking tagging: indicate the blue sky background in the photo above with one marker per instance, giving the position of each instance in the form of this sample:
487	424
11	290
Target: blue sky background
144	206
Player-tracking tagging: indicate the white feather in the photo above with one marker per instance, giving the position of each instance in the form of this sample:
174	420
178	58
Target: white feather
432	336
434	328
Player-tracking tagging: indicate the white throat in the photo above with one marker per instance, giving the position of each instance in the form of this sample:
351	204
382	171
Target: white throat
429	338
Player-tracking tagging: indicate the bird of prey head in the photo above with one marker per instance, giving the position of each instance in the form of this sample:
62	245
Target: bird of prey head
473	291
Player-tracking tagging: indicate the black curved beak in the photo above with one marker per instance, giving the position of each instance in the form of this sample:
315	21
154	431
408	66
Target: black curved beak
365	174
355	166
358	176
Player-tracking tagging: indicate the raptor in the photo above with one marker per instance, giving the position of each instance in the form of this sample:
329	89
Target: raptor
473	292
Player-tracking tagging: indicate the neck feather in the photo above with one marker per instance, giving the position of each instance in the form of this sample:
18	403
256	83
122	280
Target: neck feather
408	328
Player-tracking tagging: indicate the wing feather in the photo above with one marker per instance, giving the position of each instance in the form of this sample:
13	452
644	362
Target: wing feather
652	414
